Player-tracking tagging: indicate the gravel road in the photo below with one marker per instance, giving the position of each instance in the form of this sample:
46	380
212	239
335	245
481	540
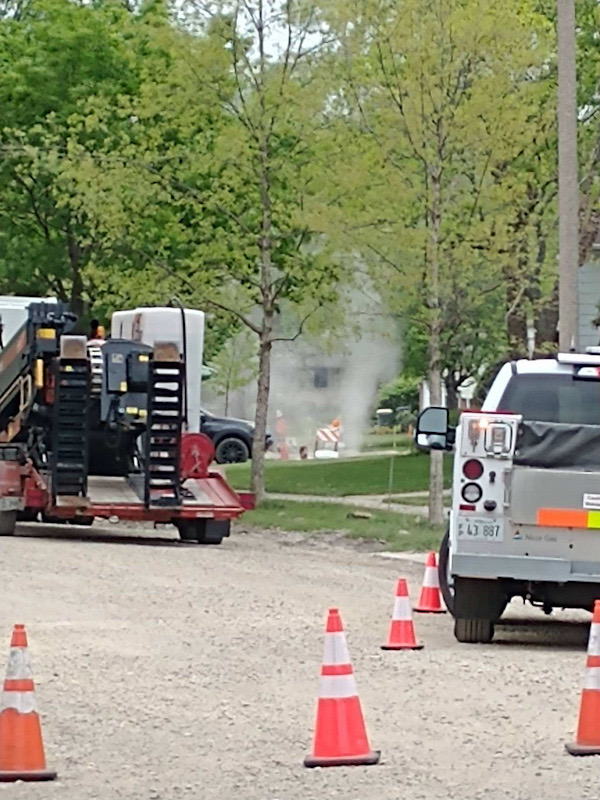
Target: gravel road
167	671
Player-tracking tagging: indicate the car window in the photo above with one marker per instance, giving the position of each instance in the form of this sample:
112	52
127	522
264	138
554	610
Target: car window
553	398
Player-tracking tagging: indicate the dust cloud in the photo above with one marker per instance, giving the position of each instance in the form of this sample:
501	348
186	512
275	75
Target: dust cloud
315	380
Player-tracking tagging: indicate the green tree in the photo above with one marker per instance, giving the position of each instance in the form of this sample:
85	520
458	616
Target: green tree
215	188
235	366
441	90
54	54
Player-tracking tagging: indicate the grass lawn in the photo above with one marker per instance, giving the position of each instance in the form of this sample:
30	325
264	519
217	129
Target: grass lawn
385	441
368	475
395	531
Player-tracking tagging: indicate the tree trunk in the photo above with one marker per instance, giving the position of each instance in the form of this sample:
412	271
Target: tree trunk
257	473
77	302
434	377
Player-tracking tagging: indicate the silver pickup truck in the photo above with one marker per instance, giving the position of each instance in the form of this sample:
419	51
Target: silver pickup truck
525	518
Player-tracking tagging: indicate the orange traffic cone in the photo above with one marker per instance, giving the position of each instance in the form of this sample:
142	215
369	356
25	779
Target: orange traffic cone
430	600
340	733
588	729
402	630
21	747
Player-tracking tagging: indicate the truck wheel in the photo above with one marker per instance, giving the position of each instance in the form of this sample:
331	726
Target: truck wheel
444	572
231	451
474	631
8	522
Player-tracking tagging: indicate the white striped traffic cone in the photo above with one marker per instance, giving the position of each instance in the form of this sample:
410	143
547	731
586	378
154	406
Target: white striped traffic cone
402	629
587	742
430	600
340	733
21	747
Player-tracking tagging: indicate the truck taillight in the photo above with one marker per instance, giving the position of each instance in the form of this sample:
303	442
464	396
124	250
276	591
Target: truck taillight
473	469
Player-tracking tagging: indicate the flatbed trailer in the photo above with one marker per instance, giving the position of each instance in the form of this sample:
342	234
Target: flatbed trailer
109	432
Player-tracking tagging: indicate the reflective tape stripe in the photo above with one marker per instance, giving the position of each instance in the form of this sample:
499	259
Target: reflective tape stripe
337	686
592	678
25	685
336	649
594	642
402	608
327	435
593	519
568	518
431	578
23	702
19	665
336	669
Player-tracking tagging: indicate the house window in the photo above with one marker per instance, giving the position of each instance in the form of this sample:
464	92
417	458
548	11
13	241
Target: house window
321	378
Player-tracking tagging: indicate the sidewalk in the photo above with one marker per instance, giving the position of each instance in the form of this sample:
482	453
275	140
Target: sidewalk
374	501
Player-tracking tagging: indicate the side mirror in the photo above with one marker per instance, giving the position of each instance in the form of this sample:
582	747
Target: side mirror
433	431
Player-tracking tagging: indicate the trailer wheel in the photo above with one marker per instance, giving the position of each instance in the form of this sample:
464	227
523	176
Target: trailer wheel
84	521
444	572
202	531
8	522
28	515
474	631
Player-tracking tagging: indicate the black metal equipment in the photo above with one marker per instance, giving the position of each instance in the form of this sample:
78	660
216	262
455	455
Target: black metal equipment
163	436
69	462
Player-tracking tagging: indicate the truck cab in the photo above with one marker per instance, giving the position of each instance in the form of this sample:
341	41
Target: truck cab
525	517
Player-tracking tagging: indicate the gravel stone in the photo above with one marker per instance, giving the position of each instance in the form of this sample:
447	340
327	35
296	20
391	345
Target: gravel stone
166	672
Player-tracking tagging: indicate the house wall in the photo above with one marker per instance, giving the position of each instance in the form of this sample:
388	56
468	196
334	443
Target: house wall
588	287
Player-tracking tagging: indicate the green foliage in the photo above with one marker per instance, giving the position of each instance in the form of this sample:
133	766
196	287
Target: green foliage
399	393
54	53
235	365
447	109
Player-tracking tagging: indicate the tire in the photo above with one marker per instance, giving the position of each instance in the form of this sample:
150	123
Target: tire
50	520
8	522
232	450
202	531
474	631
27	515
443	572
84	521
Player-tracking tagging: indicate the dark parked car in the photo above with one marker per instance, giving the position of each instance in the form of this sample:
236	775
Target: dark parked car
231	437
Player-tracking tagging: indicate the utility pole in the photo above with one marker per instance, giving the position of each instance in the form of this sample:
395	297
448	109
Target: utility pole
568	188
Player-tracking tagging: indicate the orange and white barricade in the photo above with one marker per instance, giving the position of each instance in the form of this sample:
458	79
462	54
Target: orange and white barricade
327	442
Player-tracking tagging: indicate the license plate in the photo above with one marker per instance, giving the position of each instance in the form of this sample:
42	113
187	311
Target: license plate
481	530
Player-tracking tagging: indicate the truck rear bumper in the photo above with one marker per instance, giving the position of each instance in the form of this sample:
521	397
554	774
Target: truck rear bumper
524	568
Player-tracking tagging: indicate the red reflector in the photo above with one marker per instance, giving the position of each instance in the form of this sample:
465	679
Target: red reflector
473	469
466	508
